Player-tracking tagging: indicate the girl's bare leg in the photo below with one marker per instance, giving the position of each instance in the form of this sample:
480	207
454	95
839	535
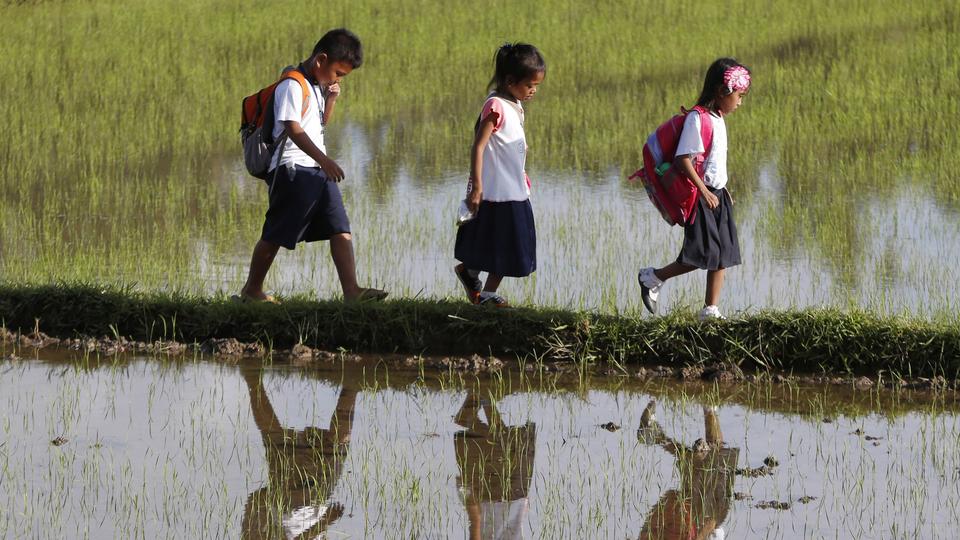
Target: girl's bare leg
673	270
493	281
714	284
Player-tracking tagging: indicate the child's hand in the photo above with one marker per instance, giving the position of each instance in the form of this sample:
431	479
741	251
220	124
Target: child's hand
333	91
709	198
332	170
473	200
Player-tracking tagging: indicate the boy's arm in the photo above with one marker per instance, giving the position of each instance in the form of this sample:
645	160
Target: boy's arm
303	141
332	92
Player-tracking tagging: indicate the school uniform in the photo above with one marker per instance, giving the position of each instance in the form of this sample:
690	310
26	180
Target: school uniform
502	238
305	206
711	241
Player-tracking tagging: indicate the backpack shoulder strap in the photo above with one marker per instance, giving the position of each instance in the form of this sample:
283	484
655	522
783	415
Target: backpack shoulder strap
297	75
706	127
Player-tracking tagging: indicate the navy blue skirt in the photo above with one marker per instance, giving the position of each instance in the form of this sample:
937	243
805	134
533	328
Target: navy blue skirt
711	242
501	240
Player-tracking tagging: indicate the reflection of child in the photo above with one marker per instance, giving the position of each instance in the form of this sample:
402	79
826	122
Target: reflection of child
501	239
710	242
698	508
303	469
496	466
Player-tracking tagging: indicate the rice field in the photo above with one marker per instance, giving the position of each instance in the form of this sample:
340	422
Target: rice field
121	169
123	164
133	447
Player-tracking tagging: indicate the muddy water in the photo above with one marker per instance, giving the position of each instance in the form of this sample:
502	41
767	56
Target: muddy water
154	448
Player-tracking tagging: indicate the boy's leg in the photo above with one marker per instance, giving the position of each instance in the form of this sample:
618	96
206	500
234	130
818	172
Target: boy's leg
263	255
711	427
714	284
341	250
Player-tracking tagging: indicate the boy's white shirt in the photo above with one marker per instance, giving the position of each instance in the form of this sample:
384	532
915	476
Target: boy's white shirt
715	166
288	105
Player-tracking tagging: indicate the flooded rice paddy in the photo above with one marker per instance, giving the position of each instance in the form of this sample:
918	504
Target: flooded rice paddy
841	159
160	448
596	230
125	172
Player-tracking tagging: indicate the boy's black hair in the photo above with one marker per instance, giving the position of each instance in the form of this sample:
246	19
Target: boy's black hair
341	45
713	86
515	62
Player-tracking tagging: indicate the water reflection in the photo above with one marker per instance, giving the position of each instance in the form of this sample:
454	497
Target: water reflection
161	449
303	468
707	468
496	464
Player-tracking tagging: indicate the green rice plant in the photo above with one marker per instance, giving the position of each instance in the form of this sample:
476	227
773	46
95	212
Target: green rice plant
123	167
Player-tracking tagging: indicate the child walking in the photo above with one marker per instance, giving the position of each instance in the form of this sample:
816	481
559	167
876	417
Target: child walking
710	241
305	201
501	237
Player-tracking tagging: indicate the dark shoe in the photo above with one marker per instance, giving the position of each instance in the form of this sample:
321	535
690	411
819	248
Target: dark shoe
471	285
493	300
649	288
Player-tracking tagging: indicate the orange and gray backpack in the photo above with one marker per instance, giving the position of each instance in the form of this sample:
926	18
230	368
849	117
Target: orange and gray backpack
256	125
669	189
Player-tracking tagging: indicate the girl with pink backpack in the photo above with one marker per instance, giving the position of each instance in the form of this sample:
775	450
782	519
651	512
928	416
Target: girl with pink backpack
710	237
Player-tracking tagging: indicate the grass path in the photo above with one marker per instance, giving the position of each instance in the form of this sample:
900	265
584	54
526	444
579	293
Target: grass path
803	341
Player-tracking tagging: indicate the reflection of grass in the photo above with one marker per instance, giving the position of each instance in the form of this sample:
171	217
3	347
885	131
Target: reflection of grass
810	341
103	174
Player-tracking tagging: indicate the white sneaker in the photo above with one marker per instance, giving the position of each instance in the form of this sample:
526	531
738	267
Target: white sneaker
709	313
649	288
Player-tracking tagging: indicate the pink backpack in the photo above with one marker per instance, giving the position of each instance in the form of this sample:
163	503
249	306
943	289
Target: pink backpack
674	195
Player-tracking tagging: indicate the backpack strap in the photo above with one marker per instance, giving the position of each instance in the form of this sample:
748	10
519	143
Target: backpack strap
298	75
706	135
706	128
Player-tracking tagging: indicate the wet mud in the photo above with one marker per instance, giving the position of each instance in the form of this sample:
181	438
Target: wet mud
231	349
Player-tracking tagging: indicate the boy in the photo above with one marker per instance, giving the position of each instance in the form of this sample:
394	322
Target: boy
305	201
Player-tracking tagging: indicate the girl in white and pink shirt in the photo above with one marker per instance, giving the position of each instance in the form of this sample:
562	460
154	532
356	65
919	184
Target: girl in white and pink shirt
500	238
710	241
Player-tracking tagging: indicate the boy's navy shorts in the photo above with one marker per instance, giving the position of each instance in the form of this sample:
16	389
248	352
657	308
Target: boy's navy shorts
305	208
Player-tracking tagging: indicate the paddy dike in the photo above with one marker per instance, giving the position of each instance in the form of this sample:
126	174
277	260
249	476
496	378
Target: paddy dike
830	346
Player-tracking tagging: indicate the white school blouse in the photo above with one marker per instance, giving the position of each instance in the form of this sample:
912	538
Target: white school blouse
504	158
715	166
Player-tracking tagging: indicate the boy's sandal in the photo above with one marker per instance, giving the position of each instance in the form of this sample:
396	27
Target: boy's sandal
369	294
246	299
